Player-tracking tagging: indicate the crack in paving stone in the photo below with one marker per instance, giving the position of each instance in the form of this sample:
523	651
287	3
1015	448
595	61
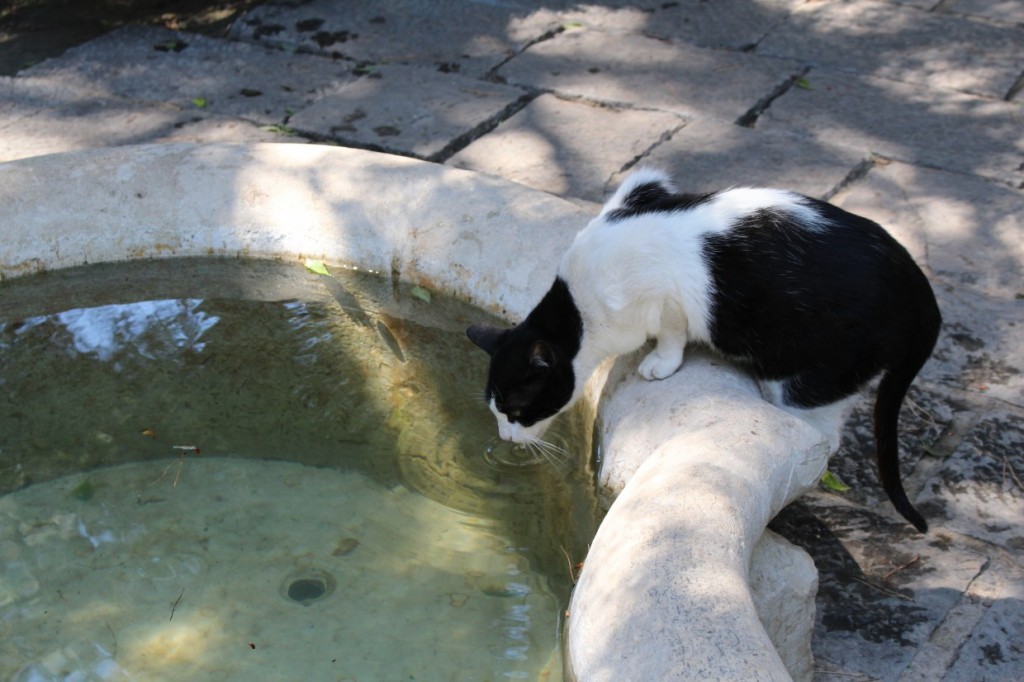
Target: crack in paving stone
858	172
1015	89
665	137
464	140
749	119
492	73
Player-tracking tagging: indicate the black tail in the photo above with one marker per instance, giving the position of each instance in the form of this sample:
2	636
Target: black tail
891	391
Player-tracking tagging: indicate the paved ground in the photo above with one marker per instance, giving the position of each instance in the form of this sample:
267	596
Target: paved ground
908	111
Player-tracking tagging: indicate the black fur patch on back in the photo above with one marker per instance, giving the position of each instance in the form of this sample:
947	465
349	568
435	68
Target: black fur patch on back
825	307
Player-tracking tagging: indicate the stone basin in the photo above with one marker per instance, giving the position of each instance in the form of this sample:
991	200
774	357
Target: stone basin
682	580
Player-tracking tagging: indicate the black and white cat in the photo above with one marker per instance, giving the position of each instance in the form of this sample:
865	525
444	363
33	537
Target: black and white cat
814	301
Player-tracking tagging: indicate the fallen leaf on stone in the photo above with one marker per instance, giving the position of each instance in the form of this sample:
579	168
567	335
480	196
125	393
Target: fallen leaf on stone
832	482
421	293
316	266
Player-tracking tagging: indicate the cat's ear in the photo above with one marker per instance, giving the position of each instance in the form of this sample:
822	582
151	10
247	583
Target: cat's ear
485	337
542	355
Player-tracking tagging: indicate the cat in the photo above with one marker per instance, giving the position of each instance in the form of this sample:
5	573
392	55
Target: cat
813	301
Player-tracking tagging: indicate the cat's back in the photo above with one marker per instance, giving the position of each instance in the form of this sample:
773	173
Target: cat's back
653	238
835	290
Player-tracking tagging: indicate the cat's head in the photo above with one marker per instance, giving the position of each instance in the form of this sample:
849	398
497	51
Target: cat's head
531	377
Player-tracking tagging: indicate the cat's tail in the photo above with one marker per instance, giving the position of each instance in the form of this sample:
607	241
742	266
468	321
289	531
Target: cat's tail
891	391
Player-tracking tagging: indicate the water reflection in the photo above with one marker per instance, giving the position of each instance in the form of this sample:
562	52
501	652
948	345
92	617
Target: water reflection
151	329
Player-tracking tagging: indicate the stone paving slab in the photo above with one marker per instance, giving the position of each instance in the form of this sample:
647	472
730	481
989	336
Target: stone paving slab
888	41
541	146
225	78
907	122
728	24
979	638
883	587
466	37
981	349
406	110
995	651
951	223
709	155
486	34
926	5
1004	11
39	116
979	490
649	73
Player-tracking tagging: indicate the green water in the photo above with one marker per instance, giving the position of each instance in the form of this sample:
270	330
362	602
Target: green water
201	438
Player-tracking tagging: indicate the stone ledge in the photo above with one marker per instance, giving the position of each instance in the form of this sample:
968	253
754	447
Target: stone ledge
680	571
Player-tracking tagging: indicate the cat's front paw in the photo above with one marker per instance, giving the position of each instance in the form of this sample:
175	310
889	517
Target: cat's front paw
659	365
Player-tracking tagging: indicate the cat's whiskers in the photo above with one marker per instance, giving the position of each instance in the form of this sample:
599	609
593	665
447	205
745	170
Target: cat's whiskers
535	449
556	455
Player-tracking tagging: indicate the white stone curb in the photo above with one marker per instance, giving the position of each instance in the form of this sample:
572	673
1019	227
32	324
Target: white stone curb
699	463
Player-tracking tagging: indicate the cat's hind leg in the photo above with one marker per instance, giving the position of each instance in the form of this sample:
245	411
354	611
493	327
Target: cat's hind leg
829	418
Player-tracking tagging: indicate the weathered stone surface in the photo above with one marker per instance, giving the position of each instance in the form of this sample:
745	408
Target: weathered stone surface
542	146
949	223
926	5
709	155
981	347
887	41
45	116
906	122
649	73
702	462
883	587
197	74
288	200
1004	11
979	491
731	24
783	583
228	130
466	37
977	638
638	416
406	110
994	650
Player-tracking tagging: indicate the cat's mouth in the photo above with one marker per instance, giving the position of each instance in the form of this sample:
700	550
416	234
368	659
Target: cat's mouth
528	452
519	434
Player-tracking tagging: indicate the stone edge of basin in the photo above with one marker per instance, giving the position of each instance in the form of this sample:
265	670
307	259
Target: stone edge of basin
682	581
681	568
